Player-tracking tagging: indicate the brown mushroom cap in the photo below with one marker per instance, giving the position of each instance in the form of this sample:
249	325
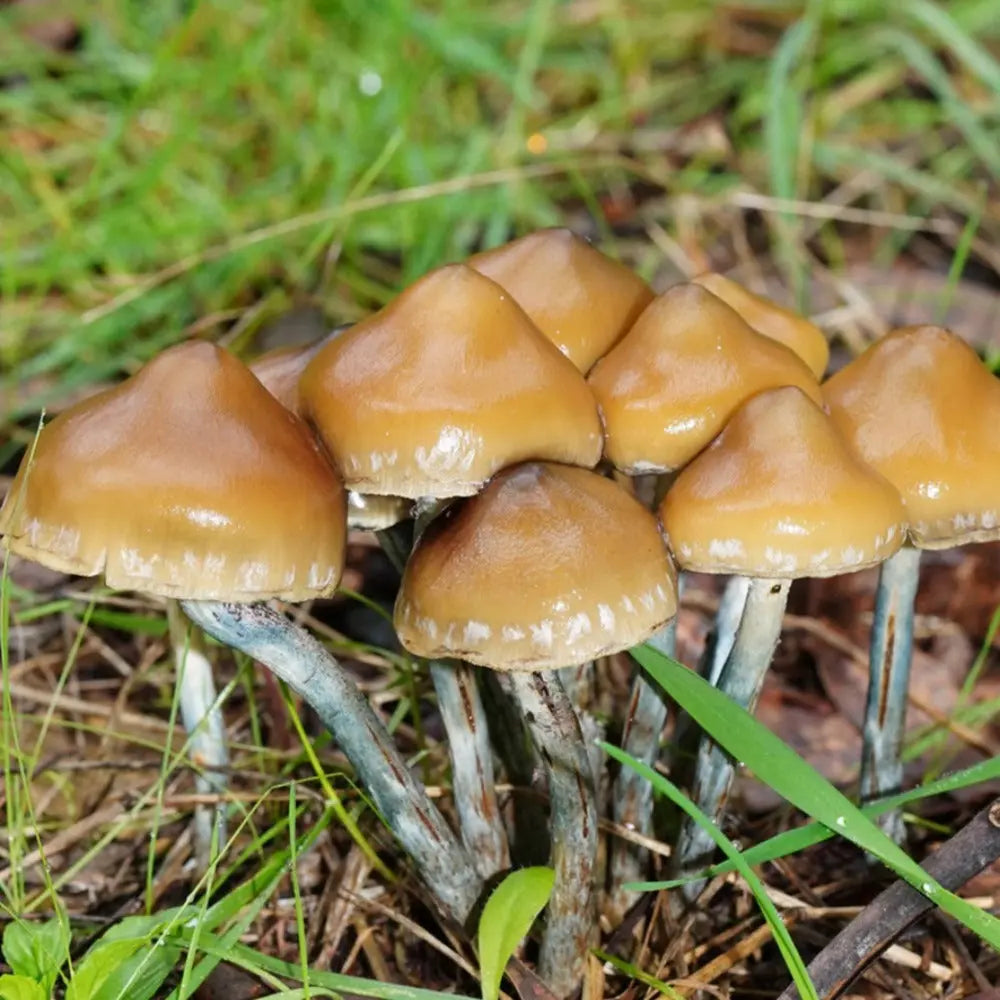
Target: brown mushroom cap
774	321
779	493
187	480
549	566
581	299
444	386
668	387
922	408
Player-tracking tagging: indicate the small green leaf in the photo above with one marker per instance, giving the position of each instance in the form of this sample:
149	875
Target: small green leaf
37	951
98	965
507	917
21	988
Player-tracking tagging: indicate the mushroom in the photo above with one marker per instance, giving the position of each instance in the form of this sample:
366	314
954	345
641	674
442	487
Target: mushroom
778	495
428	398
665	390
767	317
919	406
445	386
669	386
581	299
548	567
190	481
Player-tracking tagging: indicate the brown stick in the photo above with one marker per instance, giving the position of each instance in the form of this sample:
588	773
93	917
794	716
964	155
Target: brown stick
972	849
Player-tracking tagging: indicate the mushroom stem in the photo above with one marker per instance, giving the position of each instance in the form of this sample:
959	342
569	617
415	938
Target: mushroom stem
742	678
517	752
556	731
472	777
727	621
308	668
632	800
464	719
202	718
890	655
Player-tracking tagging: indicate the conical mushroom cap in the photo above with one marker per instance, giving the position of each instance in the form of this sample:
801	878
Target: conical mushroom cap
187	480
443	387
549	566
922	408
673	381
779	493
582	300
774	321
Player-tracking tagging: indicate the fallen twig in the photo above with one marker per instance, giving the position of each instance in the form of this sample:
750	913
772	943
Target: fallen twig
966	854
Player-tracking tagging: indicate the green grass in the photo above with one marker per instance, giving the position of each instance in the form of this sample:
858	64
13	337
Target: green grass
198	168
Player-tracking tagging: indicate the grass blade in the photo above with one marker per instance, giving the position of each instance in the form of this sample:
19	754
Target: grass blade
796	967
791	777
793	841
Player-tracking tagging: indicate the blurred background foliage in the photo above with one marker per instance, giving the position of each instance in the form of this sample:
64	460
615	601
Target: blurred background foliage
173	168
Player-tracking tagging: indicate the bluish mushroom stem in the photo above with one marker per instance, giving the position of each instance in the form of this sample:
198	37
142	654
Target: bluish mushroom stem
310	670
741	678
891	651
473	780
571	910
201	716
472	776
632	795
516	750
727	621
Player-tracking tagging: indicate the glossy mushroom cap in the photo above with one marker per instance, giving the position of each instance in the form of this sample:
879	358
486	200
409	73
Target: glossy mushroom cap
187	480
582	300
674	380
443	387
774	321
922	408
779	493
549	566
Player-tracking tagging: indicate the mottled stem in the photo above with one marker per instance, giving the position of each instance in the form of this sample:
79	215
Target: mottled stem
464	719
888	687
472	778
308	668
523	767
572	908
632	799
742	678
201	716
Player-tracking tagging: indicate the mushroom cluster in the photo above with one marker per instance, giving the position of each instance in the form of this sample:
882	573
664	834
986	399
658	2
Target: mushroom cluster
485	425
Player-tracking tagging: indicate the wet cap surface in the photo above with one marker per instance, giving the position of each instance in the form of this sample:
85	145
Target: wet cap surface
922	408
774	321
677	376
445	386
187	480
780	493
581	299
549	566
